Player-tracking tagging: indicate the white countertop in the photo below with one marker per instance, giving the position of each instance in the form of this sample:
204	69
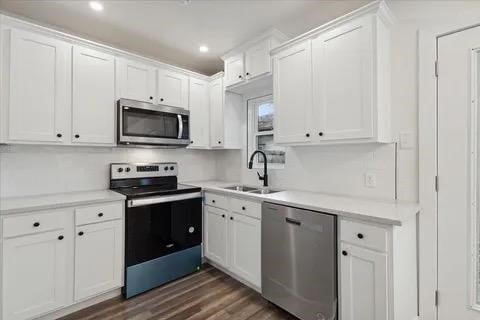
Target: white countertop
376	211
58	200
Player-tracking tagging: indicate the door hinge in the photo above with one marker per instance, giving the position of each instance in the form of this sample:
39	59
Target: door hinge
436	183
436	298
436	68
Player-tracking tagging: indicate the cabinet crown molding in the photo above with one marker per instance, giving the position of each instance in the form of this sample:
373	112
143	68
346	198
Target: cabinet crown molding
378	8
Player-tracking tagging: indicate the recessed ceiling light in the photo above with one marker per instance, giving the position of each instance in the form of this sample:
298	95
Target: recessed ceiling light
203	49
95	5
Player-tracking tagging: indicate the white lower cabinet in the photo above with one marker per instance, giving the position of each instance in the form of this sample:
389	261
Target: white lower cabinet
35	274
216	235
363	284
232	239
98	258
46	266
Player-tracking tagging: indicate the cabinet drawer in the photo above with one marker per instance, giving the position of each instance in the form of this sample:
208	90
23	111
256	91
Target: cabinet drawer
249	208
216	200
93	214
34	223
365	235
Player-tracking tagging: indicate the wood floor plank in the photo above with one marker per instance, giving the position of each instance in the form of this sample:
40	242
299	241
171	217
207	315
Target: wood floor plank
208	294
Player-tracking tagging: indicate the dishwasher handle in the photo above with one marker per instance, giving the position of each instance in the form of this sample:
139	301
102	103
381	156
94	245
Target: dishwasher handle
292	221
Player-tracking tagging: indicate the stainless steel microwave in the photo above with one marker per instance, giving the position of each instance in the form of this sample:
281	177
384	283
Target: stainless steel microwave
146	124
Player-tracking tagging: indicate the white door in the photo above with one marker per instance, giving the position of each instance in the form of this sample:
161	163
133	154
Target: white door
245	247
172	89
98	258
364	284
216	235
199	114
39	88
342	82
292	93
216	99
35	274
234	70
93	111
257	60
137	81
458	142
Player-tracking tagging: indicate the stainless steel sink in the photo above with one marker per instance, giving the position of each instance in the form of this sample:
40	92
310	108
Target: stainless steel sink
264	191
241	188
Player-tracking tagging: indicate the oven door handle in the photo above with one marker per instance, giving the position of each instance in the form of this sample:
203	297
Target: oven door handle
180	126
162	199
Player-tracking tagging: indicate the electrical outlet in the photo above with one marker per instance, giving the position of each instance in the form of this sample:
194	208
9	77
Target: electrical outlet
370	180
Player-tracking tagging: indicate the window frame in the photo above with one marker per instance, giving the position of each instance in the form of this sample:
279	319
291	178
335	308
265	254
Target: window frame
253	133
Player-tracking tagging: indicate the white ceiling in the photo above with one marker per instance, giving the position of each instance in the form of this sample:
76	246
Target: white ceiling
171	31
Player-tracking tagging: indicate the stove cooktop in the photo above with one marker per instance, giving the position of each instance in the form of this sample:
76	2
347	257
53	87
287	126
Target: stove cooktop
152	190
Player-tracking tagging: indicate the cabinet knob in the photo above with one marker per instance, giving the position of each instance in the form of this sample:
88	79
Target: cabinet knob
36	224
320	134
100	214
151	98
248	73
191	141
213	201
307	135
360	236
240	76
80	233
243	208
161	99
219	142
59	135
223	216
231	218
77	136
344	252
60	237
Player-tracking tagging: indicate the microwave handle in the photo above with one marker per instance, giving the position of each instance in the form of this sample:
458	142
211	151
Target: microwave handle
180	126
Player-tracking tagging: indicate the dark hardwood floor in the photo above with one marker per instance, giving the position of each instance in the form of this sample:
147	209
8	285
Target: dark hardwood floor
207	294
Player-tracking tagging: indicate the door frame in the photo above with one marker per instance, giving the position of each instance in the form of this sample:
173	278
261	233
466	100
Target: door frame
427	165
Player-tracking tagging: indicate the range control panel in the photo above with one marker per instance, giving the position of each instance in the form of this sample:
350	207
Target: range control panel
143	170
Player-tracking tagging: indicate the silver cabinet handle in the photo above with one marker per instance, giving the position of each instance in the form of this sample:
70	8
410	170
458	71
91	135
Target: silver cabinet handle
180	126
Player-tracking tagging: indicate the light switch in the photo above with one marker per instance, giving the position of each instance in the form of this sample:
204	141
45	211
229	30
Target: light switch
370	180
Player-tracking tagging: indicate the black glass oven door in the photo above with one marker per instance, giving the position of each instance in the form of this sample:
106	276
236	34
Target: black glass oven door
157	230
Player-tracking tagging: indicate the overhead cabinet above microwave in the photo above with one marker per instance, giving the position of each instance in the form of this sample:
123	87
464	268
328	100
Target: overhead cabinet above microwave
332	84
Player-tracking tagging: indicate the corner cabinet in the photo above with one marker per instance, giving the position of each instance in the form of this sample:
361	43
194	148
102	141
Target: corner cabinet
199	114
344	69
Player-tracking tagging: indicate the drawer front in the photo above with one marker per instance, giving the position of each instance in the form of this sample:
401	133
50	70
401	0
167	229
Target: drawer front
37	222
249	208
365	235
216	200
99	213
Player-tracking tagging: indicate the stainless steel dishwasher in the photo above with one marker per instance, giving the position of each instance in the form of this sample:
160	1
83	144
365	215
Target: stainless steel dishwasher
299	261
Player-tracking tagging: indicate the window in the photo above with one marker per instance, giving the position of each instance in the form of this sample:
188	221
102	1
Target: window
261	112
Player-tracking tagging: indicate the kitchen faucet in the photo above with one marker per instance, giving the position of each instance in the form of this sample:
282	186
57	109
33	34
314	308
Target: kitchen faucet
265	175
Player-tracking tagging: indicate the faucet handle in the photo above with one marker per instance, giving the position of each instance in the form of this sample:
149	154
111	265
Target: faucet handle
259	176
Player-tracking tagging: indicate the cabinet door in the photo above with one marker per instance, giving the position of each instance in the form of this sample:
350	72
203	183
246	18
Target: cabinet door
364	284
234	72
199	114
217	96
39	88
35	274
245	247
93	113
292	93
137	81
216	235
257	60
172	89
342	82
98	258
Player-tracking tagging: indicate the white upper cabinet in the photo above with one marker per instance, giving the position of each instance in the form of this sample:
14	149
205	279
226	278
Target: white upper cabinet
199	114
93	109
346	89
342	81
257	60
292	94
234	71
216	97
137	81
39	88
172	89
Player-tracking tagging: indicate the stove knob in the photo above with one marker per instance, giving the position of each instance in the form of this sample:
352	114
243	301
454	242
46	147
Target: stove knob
171	168
166	168
120	169
127	169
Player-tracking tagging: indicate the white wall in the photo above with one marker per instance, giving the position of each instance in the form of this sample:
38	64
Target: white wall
32	170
